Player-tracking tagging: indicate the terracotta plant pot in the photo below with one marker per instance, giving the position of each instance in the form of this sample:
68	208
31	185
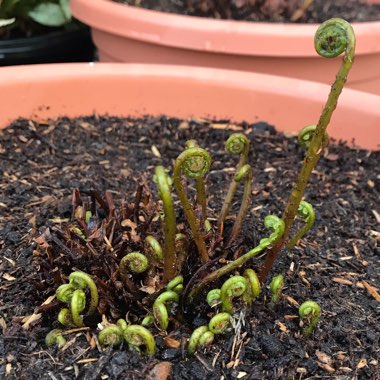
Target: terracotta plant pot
130	34
48	91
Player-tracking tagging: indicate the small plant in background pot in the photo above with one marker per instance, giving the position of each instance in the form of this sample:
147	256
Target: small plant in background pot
28	14
41	31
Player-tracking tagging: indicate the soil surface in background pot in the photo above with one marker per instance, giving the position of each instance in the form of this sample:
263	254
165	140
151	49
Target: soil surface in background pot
335	264
317	12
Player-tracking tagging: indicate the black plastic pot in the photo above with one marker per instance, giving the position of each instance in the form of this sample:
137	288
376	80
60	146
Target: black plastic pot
68	45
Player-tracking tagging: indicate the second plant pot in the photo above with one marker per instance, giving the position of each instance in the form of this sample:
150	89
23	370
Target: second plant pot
131	34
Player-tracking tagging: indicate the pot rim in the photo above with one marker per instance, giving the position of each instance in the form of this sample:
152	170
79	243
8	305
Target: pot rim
75	89
219	36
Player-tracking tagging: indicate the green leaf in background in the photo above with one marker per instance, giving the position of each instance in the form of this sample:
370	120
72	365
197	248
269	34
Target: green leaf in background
50	14
65	5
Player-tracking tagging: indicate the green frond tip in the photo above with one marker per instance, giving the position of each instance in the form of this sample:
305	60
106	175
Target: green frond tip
55	337
219	323
234	287
64	293
237	143
213	297
154	248
138	336
147	321
311	311
195	163
254	286
160	309
135	262
81	280
200	337
306	213
77	305
334	37
306	134
111	336
176	285
276	286
65	318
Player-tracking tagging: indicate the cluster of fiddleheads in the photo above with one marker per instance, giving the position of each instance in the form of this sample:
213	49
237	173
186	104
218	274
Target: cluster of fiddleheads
73	294
270	221
332	38
204	335
135	335
246	286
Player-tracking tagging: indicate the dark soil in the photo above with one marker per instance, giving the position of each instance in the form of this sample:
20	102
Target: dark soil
336	264
267	10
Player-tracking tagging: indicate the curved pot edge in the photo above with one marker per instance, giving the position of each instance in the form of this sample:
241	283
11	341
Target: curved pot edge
203	34
39	91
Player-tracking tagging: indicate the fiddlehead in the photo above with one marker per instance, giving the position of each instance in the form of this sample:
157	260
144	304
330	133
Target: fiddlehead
148	320
199	184
311	311
111	335
77	305
55	337
81	280
154	248
164	184
160	310
254	287
122	323
65	318
276	286
306	212
332	38
234	287
137	336
219	323
64	293
213	297
271	221
244	173
305	135
73	294
237	143
194	163
135	262
176	285
200	337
